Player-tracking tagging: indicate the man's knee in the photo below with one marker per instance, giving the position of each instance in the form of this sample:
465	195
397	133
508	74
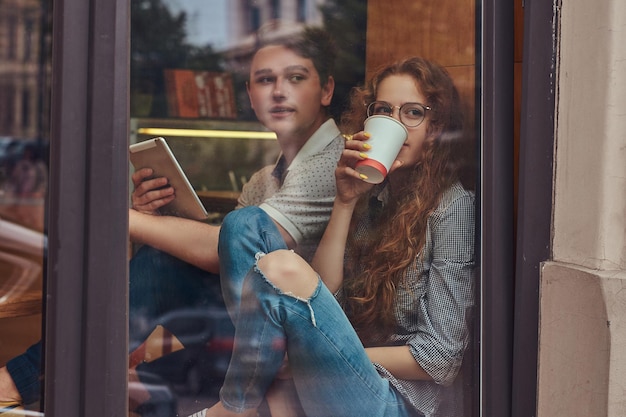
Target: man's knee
249	229
246	218
289	272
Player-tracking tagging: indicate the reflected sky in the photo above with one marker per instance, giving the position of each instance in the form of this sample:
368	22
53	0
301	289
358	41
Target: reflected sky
206	21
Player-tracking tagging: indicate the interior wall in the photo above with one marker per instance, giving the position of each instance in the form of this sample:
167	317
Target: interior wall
18	333
21	318
443	32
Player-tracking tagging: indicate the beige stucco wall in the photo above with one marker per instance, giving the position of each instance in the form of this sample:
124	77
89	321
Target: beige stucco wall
582	340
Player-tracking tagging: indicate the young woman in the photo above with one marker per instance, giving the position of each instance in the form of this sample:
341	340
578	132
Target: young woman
378	324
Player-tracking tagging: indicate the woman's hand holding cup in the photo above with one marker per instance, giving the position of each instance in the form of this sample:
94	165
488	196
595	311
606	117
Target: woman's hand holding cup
350	184
388	135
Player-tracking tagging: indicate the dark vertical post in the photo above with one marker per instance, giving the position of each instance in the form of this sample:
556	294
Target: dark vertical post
86	311
496	214
535	193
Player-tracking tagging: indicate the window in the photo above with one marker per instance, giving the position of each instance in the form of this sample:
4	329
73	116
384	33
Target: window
8	96
89	263
301	11
255	19
24	173
275	11
12	37
26	109
28	39
181	105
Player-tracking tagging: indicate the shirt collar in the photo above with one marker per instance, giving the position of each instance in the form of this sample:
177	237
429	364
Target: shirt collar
322	137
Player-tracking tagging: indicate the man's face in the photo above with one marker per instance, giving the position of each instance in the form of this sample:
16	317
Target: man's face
286	94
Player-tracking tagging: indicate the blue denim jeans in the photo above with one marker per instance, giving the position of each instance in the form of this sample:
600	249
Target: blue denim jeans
244	233
166	290
332	373
162	285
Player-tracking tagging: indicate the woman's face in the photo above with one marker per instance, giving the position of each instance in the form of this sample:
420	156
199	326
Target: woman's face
397	90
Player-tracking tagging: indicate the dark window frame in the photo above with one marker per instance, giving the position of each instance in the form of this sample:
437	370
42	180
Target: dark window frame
495	318
536	187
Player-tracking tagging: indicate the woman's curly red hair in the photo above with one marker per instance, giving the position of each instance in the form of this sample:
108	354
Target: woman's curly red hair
378	265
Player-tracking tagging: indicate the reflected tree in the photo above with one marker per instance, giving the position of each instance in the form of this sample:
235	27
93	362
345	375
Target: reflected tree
159	41
346	21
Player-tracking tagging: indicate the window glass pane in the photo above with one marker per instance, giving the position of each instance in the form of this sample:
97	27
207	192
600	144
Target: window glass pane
194	73
24	145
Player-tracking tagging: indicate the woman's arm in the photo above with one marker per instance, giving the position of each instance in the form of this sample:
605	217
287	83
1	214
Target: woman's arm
439	343
399	361
328	259
435	352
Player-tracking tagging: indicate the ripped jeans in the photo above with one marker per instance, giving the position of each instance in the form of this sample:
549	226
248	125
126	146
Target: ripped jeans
332	373
244	233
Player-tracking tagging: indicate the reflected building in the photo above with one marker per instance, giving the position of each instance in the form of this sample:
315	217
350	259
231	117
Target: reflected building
274	18
232	27
271	19
20	48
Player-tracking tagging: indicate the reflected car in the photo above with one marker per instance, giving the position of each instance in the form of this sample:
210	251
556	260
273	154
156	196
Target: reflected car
208	335
160	402
12	149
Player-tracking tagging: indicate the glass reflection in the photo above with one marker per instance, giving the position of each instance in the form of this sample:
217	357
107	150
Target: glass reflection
191	74
23	187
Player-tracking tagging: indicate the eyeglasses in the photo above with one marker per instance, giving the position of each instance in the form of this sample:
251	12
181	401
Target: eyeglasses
411	114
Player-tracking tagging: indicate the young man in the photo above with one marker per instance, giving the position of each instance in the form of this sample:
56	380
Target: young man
290	87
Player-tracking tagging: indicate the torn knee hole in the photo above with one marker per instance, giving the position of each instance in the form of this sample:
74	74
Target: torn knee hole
289	273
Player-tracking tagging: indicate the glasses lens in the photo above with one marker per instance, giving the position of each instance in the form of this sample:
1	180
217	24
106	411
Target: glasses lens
379	107
412	114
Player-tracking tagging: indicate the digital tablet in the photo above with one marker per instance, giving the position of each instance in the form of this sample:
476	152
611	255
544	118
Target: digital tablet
156	154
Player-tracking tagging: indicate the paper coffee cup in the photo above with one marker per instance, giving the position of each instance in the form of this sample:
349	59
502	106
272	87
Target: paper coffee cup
387	137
